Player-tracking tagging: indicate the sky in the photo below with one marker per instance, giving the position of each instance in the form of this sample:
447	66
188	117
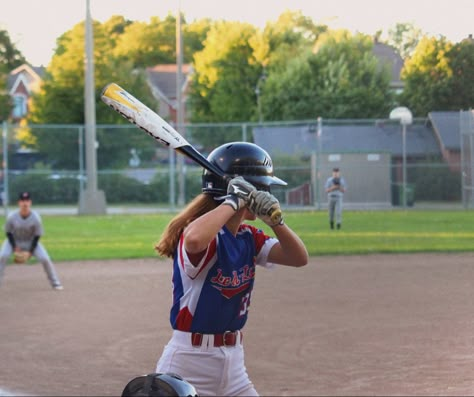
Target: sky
34	25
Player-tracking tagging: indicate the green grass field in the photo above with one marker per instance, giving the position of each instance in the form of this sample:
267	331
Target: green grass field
363	232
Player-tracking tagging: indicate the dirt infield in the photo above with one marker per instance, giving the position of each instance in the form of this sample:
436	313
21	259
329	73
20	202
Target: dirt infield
360	325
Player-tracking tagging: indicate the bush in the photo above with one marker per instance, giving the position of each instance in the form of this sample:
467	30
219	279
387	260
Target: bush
123	189
44	188
435	182
161	184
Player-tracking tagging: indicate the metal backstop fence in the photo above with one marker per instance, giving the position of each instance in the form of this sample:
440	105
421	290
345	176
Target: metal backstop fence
49	161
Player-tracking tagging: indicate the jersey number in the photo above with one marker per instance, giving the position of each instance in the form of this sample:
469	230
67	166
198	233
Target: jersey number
244	305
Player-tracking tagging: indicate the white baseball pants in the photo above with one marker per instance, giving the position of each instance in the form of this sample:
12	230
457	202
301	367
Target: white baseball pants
213	371
40	253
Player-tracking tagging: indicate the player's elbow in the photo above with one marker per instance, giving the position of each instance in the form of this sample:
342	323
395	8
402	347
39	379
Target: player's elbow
301	258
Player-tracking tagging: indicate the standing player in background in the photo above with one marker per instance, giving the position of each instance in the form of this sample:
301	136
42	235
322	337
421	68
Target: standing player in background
215	256
24	229
335	188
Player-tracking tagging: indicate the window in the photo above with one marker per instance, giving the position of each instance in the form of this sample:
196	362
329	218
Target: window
19	107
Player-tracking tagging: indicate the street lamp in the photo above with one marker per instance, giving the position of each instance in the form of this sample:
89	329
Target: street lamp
405	117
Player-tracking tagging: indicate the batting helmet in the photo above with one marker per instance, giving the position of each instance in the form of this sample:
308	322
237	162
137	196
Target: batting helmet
240	159
159	385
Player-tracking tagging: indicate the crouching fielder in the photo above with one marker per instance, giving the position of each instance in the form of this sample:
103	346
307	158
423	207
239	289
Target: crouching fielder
214	266
24	229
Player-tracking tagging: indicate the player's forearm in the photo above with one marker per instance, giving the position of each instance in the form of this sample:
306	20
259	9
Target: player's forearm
199	233
290	251
34	244
11	239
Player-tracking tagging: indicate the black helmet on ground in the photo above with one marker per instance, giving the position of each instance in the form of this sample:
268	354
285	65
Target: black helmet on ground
159	385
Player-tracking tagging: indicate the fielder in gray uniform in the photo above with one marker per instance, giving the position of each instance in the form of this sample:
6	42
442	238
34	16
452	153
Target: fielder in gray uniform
335	188
24	229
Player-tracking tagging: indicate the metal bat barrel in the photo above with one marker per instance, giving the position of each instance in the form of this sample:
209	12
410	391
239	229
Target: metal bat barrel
141	115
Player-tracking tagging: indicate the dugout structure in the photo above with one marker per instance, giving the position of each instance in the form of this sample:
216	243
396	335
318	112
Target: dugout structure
467	157
367	175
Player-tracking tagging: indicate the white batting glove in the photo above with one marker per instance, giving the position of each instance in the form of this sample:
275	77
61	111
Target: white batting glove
267	208
239	193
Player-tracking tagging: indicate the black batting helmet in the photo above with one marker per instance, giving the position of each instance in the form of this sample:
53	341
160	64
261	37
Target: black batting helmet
240	159
159	385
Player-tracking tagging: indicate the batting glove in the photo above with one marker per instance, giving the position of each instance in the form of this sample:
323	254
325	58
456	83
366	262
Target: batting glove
239	193
267	208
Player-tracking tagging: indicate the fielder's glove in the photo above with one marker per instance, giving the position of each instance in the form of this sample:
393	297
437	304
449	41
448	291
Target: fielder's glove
239	193
21	256
267	207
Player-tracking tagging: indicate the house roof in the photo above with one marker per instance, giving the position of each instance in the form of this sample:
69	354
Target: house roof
389	56
379	137
162	79
447	127
31	76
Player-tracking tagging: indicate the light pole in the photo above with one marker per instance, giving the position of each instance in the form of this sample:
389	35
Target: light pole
179	105
405	117
91	200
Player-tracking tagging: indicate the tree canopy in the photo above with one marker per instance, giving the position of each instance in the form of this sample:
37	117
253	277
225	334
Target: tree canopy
10	58
237	58
61	98
293	68
439	76
339	78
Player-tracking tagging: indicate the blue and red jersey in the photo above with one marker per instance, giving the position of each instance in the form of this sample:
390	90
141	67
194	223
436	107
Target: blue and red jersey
214	296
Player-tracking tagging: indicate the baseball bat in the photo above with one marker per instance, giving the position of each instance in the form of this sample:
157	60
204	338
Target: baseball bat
146	119
143	117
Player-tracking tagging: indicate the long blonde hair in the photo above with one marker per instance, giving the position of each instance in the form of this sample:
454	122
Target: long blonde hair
168	242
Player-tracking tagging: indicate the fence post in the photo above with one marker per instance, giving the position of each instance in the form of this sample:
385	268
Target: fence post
244	132
5	167
318	158
81	157
314	179
172	177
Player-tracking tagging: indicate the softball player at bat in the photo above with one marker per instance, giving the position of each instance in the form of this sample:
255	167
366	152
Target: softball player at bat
214	267
24	229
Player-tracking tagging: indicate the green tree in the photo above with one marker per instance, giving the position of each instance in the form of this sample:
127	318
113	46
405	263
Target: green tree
148	43
115	26
291	34
194	35
426	76
10	58
340	78
61	98
5	102
461	83
231	70
152	43
404	37
439	76
226	72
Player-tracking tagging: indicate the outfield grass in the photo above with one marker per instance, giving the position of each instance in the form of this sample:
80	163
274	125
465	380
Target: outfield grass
363	232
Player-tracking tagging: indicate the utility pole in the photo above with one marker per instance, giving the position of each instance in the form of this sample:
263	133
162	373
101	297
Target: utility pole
91	200
5	167
179	106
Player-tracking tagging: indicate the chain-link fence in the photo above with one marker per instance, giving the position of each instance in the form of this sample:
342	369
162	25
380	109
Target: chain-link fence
467	157
132	168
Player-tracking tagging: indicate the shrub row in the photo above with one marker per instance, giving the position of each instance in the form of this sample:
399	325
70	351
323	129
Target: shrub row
46	189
